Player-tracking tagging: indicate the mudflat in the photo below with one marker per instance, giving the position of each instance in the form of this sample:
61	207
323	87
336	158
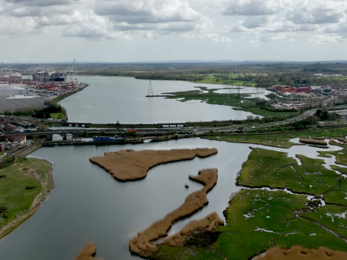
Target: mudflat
141	245
127	165
312	141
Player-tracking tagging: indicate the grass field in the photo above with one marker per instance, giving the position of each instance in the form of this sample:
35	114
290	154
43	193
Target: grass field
278	140
262	170
20	183
256	221
259	219
282	140
233	100
214	80
58	116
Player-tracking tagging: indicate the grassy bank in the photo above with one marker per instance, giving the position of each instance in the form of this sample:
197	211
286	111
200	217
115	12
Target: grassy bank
233	100
24	184
282	140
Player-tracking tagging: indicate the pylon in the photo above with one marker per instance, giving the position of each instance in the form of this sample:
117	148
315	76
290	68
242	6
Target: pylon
150	89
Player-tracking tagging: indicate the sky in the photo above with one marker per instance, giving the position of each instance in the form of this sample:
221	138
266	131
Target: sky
172	30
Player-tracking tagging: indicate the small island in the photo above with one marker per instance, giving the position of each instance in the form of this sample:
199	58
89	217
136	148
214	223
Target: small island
128	165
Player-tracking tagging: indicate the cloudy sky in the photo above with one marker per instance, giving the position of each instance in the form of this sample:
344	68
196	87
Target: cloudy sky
165	30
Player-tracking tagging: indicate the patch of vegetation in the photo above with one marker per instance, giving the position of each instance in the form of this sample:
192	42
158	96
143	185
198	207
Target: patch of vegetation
20	187
338	195
266	168
282	140
332	217
341	156
256	221
277	140
234	100
201	239
58	116
52	108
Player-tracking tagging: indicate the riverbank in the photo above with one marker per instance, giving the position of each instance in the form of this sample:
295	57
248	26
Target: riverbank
25	184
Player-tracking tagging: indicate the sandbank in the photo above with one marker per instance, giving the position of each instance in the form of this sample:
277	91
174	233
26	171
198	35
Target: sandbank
126	165
300	253
312	141
209	223
140	244
88	252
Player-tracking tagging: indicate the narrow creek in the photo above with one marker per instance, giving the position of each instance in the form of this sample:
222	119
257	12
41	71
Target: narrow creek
88	204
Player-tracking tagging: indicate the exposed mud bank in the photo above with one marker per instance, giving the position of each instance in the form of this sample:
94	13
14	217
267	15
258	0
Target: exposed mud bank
300	253
312	141
141	245
127	165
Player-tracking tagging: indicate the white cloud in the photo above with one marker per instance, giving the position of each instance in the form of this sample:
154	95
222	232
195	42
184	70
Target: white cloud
251	23
149	11
41	3
255	7
279	37
327	19
163	16
11	27
214	37
318	12
94	27
327	38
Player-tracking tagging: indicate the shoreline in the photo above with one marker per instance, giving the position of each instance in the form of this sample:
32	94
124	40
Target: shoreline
39	199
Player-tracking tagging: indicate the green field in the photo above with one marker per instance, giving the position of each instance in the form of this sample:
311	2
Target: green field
282	140
262	170
222	81
58	116
278	140
233	100
20	183
259	219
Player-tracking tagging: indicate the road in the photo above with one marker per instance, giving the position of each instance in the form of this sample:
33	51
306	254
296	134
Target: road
164	131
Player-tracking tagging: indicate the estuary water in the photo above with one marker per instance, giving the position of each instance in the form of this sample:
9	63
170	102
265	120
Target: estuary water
112	99
87	204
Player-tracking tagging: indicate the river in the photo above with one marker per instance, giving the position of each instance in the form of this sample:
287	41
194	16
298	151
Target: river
88	204
112	99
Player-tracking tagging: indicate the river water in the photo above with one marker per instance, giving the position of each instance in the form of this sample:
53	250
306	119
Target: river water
112	99
88	204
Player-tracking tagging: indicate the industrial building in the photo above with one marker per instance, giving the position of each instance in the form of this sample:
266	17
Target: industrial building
47	76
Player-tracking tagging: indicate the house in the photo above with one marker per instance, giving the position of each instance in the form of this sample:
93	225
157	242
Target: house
342	114
2	146
17	139
20	139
